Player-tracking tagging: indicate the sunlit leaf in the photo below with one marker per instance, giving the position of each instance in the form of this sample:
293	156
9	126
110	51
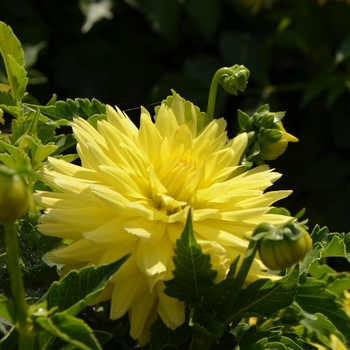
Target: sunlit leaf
78	288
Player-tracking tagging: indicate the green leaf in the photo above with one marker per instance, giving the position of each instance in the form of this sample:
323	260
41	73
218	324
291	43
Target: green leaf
13	57
6	99
264	297
71	329
252	337
162	336
71	109
14	156
244	121
7	309
193	274
95	118
78	288
323	327
39	152
314	298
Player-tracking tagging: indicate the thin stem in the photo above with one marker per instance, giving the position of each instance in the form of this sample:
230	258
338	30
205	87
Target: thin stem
24	328
226	310
214	89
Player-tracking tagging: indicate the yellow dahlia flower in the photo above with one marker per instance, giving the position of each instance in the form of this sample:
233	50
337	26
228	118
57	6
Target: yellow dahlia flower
132	194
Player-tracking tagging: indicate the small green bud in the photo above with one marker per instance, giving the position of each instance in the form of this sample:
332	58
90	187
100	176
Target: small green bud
274	150
14	196
284	247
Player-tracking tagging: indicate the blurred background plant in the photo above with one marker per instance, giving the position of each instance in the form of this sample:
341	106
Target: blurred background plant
132	52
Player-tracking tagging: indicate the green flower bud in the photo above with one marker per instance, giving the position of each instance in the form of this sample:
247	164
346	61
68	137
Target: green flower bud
273	150
14	196
284	247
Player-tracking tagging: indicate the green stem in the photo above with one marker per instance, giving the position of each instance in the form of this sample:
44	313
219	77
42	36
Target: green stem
226	310
214	89
24	328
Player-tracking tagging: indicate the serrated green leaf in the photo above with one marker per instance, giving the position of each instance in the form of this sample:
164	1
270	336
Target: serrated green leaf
13	57
19	78
258	339
39	152
193	275
310	257
314	298
335	247
71	329
162	336
340	283
264	297
95	118
71	109
323	326
14	156
6	99
78	288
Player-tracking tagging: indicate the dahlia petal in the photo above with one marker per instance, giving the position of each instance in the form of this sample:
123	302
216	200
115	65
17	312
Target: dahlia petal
155	259
74	253
69	169
110	234
171	310
265	199
239	144
139	313
122	181
149	139
113	199
126	292
121	122
150	232
218	235
174	231
166	123
57	229
147	209
77	217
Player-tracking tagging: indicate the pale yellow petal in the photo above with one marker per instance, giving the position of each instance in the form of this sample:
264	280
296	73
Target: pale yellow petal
171	310
150	232
126	292
111	234
74	253
139	313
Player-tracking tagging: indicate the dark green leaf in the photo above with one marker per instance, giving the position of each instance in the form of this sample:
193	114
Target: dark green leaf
70	329
78	288
162	336
264	297
71	109
193	274
314	298
13	55
244	121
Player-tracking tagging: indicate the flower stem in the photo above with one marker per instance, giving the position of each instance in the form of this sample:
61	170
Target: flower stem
226	310
214	89
24	328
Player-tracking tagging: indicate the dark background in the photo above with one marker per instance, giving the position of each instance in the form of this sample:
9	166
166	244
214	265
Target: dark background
298	53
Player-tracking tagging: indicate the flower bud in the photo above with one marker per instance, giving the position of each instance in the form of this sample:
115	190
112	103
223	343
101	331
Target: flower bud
284	247
14	197
273	150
